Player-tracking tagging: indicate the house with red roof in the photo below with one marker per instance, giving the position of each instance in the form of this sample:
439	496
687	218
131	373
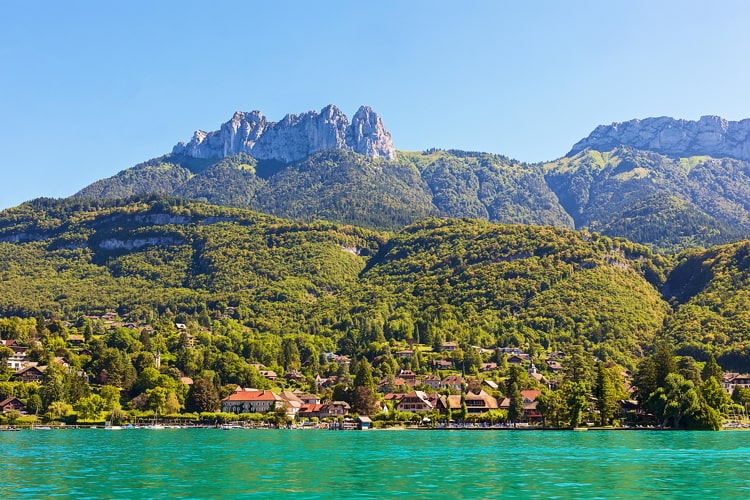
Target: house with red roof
251	401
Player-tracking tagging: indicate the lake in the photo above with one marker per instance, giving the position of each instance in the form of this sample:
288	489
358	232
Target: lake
212	463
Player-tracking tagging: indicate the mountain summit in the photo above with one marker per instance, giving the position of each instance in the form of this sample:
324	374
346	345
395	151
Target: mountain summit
293	138
710	136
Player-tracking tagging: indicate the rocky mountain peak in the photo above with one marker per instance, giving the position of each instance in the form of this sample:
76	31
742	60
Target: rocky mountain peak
710	135
294	137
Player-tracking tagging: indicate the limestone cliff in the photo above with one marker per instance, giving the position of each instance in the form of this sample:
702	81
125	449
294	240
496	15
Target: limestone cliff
293	138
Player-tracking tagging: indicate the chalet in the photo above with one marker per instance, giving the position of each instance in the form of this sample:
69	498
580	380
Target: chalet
18	359
324	383
292	403
732	380
441	364
415	401
250	401
314	410
181	326
269	374
518	359
31	373
479	403
488	367
76	340
410	378
530	411
12	404
339	359
295	375
454	382
405	353
337	408
325	410
308	399
186	380
554	366
448	346
433	381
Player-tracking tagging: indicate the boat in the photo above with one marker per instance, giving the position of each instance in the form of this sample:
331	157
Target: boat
110	427
155	424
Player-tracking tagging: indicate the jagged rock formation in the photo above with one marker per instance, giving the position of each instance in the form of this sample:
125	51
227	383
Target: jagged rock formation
711	136
294	138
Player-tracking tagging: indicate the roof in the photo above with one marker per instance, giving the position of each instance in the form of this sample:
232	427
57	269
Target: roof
40	369
453	379
364	420
252	396
530	395
453	401
311	408
10	400
290	396
488	400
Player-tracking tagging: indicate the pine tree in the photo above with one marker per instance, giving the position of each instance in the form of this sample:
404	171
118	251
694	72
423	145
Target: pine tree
515	412
604	392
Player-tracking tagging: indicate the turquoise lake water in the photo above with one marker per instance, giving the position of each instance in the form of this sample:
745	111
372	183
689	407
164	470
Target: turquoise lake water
210	463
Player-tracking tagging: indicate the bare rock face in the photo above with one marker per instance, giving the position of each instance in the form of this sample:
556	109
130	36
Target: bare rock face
293	138
711	135
368	136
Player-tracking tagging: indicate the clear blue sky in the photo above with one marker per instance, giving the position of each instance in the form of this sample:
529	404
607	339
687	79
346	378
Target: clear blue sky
90	88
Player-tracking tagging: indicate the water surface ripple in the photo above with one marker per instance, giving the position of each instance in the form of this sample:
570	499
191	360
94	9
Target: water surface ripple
209	463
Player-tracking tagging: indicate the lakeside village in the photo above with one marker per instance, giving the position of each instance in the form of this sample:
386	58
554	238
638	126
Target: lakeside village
107	371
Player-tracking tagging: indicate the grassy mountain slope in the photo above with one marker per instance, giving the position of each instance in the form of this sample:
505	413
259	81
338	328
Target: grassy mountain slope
349	188
649	198
487	186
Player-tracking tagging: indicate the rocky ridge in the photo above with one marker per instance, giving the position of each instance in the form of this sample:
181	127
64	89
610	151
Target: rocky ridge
711	136
293	138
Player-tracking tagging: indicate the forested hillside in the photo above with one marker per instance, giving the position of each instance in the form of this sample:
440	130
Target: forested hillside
667	203
465	280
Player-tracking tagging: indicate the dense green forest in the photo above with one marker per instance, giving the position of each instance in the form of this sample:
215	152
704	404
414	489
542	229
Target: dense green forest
455	279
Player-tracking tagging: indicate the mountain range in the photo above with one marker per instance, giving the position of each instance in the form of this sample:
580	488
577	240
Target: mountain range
558	259
669	184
